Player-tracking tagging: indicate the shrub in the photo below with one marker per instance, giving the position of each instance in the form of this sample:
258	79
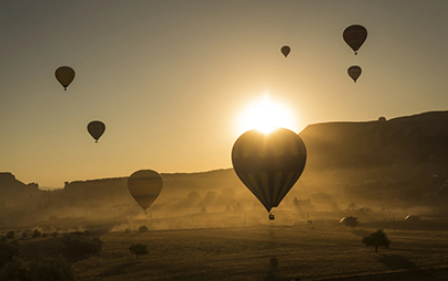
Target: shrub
138	249
8	251
377	239
14	270
10	234
57	269
44	235
55	234
143	228
42	269
82	244
36	233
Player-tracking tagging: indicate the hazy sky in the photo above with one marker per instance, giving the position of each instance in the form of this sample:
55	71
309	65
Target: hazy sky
171	78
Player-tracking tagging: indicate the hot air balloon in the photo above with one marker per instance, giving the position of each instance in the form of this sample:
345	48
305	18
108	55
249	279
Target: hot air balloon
145	186
354	36
286	50
354	72
96	129
269	164
65	75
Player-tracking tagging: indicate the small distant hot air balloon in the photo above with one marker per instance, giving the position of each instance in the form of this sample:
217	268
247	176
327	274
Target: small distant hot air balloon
269	164
65	76
354	72
354	36
286	50
145	186
96	129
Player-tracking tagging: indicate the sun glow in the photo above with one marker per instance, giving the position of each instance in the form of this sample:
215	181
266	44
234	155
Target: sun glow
266	116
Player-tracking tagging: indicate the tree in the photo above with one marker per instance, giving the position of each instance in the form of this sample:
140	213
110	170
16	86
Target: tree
138	249
82	244
8	251
14	270
143	228
36	233
377	239
351	221
41	269
10	234
46	268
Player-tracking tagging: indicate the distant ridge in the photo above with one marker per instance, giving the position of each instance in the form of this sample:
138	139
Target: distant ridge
409	147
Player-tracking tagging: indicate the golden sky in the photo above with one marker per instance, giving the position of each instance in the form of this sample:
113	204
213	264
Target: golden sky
171	78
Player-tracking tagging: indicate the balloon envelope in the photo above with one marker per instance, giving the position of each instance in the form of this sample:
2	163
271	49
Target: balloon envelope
96	129
354	72
145	187
269	164
354	36
65	75
286	50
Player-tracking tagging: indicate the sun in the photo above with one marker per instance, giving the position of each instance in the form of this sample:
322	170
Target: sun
266	115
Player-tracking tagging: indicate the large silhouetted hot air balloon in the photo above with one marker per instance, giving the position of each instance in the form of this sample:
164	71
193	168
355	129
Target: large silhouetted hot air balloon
96	129
145	186
354	36
286	50
354	72
269	164
65	75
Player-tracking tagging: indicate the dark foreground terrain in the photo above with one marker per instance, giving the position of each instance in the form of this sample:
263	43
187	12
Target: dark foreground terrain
324	251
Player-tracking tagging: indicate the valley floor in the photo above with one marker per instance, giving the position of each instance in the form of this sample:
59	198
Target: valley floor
326	251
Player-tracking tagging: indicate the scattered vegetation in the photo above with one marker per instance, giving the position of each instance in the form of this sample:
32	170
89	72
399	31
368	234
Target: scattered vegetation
78	242
138	249
55	234
377	239
14	270
57	269
8	251
42	269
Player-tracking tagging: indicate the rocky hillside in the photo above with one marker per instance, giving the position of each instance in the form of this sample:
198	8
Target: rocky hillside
410	148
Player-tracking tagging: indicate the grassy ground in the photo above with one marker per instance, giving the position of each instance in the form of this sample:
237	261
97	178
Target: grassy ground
326	251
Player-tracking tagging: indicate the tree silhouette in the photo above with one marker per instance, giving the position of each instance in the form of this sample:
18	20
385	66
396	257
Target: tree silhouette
350	221
36	233
10	234
138	249
143	228
377	239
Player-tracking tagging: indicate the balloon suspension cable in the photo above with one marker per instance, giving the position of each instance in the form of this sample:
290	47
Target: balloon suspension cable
65	88
96	141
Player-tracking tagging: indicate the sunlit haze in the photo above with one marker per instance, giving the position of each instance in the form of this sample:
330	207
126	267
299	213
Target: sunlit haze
177	82
266	115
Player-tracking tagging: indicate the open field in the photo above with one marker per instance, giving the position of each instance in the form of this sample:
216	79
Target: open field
270	252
